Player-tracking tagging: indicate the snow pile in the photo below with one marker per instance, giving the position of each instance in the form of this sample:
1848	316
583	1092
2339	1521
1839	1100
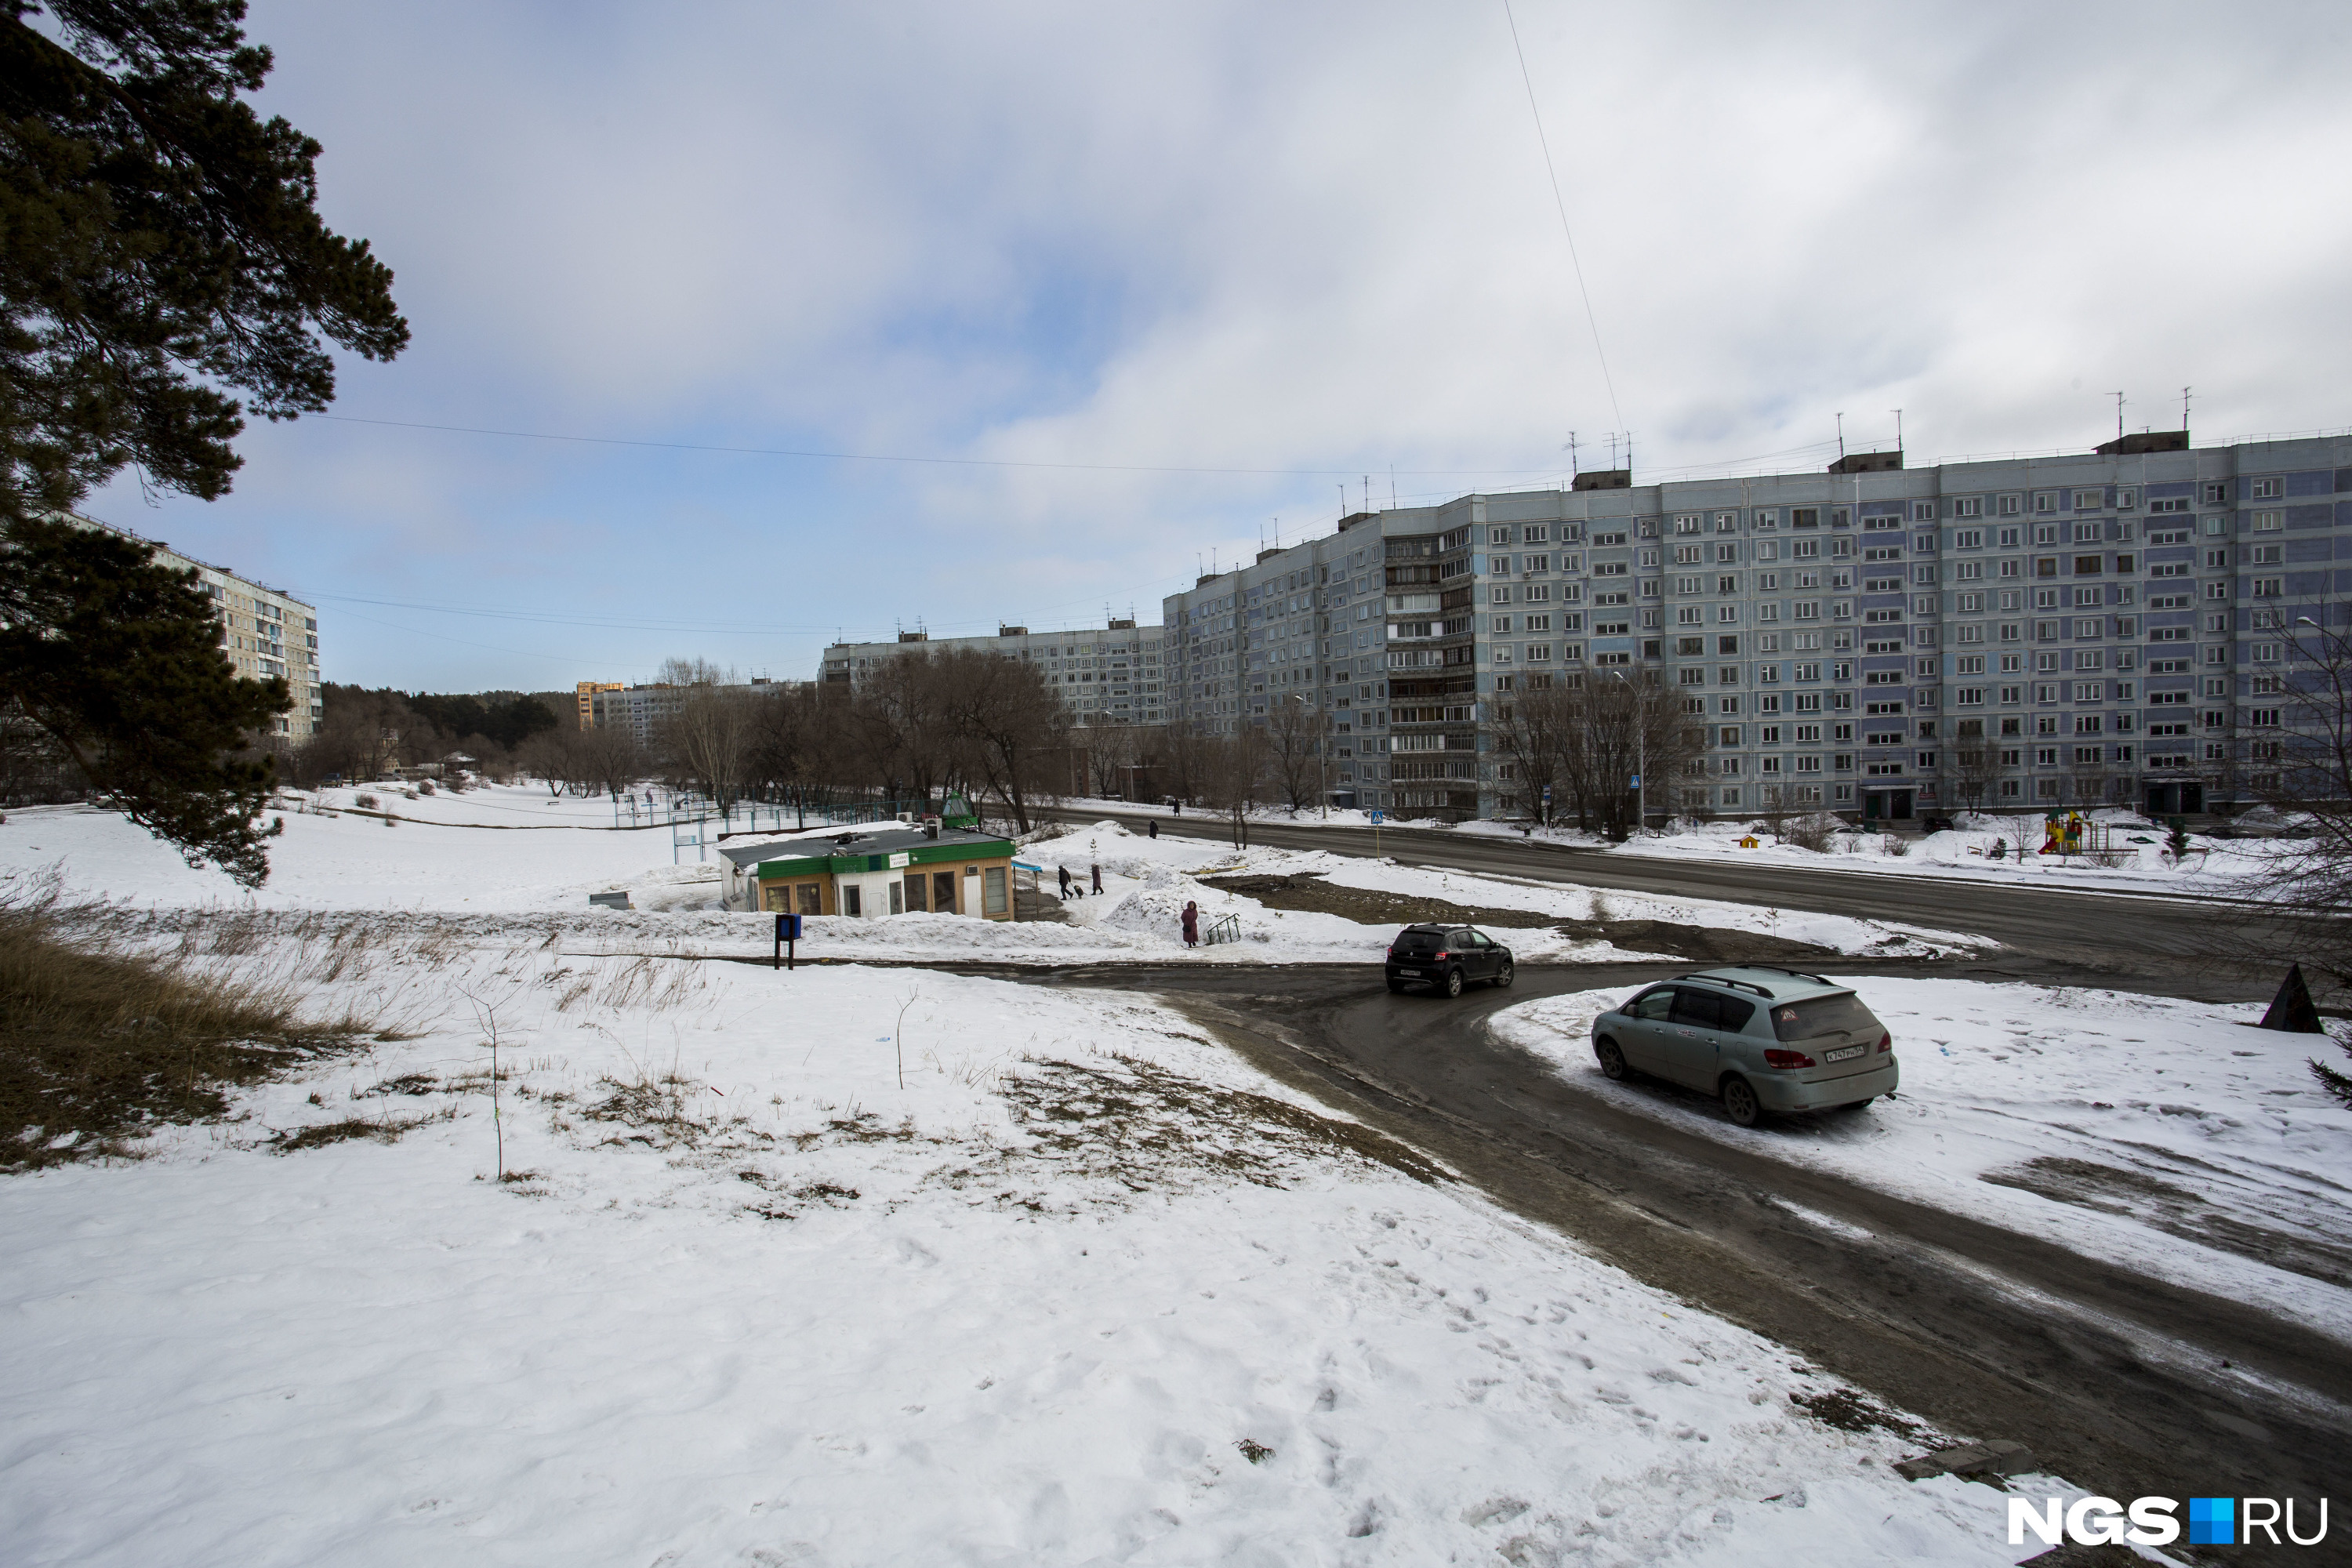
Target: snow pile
2163	1134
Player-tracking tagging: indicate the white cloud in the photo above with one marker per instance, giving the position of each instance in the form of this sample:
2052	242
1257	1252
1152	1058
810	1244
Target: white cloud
1308	238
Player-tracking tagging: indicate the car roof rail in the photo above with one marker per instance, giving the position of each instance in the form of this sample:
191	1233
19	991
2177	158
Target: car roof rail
1736	985
1784	969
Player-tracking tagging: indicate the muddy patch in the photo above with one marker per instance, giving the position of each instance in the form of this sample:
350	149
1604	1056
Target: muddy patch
2177	1211
1711	944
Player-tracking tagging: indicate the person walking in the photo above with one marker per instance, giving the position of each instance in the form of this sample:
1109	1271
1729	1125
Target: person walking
1098	877
1192	924
1065	884
1154	826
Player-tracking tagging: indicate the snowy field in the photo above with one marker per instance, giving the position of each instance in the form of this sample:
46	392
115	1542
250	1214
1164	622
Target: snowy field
851	1266
507	851
2163	1134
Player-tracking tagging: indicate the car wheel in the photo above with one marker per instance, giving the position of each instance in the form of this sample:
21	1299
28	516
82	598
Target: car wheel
1739	1103
1396	987
1453	982
1612	1060
1502	976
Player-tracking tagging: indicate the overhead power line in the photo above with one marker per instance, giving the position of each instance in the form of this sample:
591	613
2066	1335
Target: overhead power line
890	456
1560	203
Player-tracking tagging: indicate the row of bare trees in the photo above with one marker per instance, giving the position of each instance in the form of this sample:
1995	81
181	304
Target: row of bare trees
1584	737
926	725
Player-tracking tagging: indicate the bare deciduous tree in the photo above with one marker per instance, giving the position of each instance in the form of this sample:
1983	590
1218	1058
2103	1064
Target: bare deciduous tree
1295	734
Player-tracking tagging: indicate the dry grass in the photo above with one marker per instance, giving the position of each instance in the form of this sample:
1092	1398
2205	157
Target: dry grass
99	1040
1125	1127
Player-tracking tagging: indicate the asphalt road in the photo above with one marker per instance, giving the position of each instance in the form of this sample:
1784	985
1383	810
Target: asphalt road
2134	932
2119	1381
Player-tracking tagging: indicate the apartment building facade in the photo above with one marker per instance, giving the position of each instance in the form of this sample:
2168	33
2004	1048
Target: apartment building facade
265	631
2113	627
1106	676
641	710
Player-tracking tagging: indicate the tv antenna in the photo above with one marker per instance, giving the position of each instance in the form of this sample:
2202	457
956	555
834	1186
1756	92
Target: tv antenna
2184	413
1899	427
2119	414
1841	419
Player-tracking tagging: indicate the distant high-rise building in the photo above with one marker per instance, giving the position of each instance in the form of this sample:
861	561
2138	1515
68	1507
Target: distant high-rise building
2115	626
265	631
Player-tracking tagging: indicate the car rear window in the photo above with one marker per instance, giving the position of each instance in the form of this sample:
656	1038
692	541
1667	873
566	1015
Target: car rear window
1820	1015
1420	942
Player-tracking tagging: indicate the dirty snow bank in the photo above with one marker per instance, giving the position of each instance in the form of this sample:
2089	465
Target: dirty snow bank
2163	1134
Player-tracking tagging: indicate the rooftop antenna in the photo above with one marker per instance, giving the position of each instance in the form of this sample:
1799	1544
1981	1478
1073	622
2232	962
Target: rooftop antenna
1898	428
1343	499
2119	414
1629	454
1841	419
2184	413
1613	448
1571	454
1392	501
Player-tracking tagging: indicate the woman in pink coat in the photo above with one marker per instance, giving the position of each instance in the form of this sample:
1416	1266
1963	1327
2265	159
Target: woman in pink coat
1192	925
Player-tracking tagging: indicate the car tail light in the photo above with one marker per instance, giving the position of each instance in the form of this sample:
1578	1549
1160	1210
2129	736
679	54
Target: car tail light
1440	953
1886	1044
1776	1058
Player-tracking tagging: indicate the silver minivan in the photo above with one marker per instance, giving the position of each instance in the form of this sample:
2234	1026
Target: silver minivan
1765	1040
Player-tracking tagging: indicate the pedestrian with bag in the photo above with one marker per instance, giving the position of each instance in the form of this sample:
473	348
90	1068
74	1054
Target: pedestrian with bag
1192	924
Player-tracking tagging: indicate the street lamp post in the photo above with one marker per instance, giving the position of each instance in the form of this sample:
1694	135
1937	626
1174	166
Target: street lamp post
1322	772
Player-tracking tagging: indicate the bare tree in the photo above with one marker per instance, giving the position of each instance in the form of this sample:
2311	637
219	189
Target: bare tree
2296	758
1295	734
1013	725
1238	775
1975	770
711	738
1534	730
1623	726
1186	751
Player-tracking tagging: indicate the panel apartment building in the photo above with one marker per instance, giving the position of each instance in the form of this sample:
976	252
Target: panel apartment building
2112	626
264	631
1110	676
642	709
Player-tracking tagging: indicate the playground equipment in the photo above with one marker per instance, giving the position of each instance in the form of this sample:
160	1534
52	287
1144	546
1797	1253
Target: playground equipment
2072	833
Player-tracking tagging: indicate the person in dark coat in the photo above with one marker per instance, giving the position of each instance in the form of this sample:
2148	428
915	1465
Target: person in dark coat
1097	876
1065	882
1192	925
1154	826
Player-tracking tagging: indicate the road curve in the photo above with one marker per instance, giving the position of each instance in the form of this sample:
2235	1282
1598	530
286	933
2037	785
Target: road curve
2117	1379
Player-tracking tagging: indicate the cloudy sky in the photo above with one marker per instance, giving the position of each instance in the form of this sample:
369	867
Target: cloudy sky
1020	312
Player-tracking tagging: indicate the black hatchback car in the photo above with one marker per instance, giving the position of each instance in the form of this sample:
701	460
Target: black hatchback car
1446	958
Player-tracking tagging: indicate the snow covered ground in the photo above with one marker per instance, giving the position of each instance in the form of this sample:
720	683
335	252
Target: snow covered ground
502	851
2213	866
2166	1134
1078	1288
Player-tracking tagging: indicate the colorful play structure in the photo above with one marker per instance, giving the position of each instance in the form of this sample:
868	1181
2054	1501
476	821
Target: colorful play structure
2072	833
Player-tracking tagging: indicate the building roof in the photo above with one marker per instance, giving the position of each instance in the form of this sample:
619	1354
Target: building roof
821	844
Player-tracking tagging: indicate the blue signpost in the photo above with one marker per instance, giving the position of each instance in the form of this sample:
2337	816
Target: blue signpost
788	931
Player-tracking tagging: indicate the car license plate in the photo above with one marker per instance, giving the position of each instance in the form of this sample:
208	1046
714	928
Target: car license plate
1843	1052
1414	974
